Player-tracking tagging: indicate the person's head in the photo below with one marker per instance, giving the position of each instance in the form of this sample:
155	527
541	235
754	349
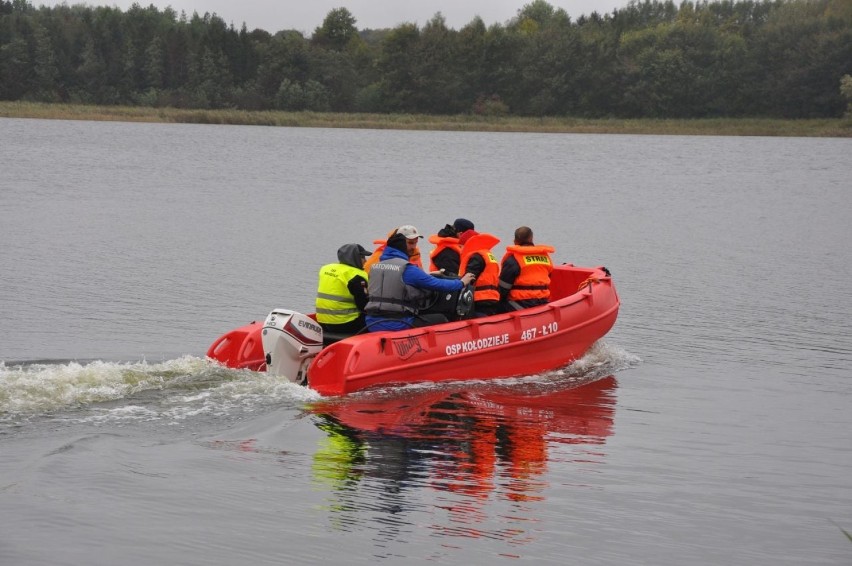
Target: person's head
352	254
448	231
524	236
399	242
412	237
462	225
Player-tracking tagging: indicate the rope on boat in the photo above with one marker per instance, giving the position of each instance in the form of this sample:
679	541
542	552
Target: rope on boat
593	279
589	282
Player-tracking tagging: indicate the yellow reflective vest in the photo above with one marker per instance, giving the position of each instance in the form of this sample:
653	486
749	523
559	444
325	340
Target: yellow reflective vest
335	304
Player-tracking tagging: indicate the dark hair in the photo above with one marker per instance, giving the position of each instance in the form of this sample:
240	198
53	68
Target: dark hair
448	232
398	242
524	236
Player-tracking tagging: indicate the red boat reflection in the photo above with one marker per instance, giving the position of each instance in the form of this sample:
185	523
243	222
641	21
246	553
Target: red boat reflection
464	441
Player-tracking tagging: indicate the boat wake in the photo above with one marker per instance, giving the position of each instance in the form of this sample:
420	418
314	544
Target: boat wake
174	389
189	386
601	360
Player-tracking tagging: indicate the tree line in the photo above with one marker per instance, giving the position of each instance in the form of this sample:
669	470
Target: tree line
657	59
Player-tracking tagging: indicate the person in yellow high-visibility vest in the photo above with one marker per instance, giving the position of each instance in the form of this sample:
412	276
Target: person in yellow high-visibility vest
342	291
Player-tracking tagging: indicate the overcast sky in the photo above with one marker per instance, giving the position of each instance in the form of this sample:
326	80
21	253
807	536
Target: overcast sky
306	15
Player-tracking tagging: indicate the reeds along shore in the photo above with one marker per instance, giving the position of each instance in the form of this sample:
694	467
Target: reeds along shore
840	127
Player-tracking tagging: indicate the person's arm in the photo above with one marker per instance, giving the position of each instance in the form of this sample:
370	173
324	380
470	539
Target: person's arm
416	277
358	288
475	265
508	273
448	260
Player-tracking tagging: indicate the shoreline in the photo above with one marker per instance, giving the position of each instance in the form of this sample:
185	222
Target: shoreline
822	127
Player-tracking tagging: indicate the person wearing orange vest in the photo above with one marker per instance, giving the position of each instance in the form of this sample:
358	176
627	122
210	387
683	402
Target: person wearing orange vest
478	260
413	250
525	273
446	255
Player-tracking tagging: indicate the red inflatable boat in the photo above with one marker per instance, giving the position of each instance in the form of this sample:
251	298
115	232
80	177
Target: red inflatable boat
583	307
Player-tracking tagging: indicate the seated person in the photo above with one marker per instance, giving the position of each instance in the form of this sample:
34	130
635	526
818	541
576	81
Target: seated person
342	291
478	260
446	255
525	273
398	289
380	247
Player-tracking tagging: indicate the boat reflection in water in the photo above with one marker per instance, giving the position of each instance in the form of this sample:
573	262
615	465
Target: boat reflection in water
459	452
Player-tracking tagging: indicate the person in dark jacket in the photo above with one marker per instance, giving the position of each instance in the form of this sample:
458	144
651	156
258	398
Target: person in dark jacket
398	289
478	260
446	254
342	291
525	273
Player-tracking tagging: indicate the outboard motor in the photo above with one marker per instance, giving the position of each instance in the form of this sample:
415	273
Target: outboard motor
290	341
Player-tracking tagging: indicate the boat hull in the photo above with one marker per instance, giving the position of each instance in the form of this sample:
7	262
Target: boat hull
241	348
506	345
584	306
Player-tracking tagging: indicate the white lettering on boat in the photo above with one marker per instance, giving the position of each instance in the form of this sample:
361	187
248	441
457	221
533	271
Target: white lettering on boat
478	344
543	330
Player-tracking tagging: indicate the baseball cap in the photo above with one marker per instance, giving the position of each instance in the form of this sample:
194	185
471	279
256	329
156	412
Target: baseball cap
409	231
362	251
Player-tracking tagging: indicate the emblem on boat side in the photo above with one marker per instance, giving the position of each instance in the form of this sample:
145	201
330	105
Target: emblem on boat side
407	347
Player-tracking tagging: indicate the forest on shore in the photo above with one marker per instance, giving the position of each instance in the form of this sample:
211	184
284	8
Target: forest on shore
651	59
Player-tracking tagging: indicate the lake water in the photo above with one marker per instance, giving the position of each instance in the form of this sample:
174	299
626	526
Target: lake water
713	425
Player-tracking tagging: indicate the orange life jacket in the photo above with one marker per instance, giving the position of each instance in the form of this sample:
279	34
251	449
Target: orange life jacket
374	258
533	282
485	287
442	243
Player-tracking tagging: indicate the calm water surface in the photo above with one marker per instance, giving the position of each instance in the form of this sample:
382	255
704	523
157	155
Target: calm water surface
713	425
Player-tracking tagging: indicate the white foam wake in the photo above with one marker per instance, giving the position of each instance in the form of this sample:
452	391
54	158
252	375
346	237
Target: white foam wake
45	388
